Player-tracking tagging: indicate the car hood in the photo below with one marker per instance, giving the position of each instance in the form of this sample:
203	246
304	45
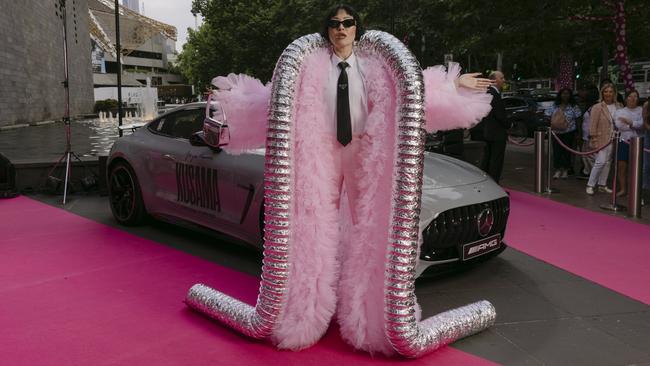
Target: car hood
442	171
450	183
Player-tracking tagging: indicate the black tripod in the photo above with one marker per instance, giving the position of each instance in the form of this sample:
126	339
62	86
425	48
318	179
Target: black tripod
68	153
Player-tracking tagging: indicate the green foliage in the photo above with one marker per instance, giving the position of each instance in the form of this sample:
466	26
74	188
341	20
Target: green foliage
248	36
106	105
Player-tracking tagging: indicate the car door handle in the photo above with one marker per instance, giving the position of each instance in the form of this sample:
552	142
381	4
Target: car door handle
168	157
206	156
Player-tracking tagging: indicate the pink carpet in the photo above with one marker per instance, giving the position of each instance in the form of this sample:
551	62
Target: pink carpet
75	292
610	251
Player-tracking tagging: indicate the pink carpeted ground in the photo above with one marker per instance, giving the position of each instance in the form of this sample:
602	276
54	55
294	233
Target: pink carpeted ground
610	251
75	292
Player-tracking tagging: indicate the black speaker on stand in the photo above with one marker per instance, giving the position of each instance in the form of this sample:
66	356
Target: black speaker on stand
7	178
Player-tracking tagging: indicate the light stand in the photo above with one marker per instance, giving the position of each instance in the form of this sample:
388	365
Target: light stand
68	153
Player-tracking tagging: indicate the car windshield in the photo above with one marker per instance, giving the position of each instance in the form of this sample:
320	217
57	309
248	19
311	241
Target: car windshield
544	98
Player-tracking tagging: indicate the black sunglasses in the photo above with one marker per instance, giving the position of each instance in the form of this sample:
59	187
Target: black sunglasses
347	23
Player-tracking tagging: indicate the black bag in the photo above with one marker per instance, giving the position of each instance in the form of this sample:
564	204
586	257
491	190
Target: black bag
7	178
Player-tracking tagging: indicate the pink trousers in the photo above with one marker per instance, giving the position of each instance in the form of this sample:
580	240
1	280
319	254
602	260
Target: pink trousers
347	165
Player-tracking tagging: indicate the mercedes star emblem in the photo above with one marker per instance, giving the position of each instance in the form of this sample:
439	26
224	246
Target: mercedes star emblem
485	221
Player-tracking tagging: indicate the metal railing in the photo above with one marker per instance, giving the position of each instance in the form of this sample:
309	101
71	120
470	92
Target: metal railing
635	164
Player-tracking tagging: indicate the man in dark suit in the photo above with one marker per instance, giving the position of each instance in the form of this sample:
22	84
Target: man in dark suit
493	129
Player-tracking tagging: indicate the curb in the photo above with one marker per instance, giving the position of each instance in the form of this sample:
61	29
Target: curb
42	123
13	127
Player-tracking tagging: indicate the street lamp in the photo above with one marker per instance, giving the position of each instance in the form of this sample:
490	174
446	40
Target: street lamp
118	53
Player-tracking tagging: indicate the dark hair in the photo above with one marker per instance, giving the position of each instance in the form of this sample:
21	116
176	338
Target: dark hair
348	9
558	98
633	91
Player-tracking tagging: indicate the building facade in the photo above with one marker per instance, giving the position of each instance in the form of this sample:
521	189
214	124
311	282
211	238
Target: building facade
32	60
132	4
148	47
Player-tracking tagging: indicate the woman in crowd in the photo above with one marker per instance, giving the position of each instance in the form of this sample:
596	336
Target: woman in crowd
587	160
565	104
629	121
600	133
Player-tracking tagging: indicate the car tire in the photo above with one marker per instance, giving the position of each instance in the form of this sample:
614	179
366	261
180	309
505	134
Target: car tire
125	195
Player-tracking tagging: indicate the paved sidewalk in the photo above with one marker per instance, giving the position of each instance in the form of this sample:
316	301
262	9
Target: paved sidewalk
547	315
519	174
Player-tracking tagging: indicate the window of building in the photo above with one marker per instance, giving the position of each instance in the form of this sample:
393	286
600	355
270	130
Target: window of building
144	54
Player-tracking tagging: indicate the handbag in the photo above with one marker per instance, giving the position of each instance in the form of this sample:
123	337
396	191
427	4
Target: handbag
559	121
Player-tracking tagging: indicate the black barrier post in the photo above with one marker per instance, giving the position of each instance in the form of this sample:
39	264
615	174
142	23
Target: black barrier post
635	177
539	160
549	163
613	206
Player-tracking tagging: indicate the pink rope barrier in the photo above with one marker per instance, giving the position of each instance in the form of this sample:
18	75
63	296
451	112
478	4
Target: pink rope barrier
520	143
581	153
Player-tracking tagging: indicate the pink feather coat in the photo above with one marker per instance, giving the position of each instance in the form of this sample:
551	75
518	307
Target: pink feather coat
337	268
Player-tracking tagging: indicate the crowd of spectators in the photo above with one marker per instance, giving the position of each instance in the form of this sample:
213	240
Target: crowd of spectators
590	126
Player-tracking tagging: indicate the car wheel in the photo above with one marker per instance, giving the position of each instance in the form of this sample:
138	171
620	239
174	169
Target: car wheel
125	195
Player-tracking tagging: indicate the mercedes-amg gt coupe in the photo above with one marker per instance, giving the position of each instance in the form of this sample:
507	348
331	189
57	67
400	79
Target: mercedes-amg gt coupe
167	171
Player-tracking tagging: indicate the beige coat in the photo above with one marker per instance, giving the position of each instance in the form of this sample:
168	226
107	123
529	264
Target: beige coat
602	125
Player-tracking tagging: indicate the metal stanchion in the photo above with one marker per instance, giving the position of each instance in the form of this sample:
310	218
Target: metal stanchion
549	163
539	160
635	167
613	206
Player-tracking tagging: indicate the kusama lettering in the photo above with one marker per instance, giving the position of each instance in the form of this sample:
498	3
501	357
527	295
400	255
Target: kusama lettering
198	186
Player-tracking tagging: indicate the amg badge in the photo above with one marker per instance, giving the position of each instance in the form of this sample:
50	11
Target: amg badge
480	247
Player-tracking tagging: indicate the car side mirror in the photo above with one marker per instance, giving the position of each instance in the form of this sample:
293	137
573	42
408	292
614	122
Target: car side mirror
198	139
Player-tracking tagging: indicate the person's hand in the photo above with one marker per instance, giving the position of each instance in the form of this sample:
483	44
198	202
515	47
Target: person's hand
625	120
472	81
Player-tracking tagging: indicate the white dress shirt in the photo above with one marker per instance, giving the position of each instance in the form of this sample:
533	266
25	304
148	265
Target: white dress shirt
356	94
636	116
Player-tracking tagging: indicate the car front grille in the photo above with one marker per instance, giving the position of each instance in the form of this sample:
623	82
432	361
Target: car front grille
457	226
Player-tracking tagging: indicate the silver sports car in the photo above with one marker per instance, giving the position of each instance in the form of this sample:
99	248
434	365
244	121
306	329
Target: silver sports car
166	170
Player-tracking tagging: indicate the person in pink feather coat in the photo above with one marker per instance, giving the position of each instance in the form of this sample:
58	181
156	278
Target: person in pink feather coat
342	193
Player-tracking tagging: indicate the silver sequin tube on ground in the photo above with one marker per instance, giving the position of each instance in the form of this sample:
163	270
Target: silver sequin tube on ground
259	321
409	338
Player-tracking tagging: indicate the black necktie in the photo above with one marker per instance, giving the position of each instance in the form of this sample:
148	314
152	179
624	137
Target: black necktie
343	124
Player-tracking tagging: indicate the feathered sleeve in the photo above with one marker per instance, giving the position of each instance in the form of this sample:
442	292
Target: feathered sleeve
448	107
245	101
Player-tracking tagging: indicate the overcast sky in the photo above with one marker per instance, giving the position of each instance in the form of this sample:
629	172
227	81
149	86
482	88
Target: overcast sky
173	12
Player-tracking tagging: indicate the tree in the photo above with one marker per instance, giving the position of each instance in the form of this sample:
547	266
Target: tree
248	36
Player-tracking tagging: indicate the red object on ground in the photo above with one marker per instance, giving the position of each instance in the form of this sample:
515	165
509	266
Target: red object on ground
610	251
76	292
